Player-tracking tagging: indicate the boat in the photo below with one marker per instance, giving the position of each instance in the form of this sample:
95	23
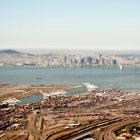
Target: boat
38	78
90	87
11	101
53	94
121	67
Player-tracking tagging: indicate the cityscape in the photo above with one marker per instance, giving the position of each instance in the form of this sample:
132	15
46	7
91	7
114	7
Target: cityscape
16	58
69	70
68	112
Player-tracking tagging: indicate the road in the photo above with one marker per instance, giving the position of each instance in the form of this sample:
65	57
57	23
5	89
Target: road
108	132
82	131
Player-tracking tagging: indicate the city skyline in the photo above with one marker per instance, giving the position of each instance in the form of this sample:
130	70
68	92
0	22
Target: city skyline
78	25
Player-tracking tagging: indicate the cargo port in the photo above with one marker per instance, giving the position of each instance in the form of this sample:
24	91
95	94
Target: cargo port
96	114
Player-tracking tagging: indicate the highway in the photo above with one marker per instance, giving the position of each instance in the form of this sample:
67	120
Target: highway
108	132
82	131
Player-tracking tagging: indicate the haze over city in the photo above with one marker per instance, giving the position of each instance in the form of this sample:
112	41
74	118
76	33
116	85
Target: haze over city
73	24
69	69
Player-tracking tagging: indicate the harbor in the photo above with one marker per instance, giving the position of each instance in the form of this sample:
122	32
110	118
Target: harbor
127	79
39	97
69	70
68	115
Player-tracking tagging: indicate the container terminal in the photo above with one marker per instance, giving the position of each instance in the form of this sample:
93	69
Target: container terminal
98	114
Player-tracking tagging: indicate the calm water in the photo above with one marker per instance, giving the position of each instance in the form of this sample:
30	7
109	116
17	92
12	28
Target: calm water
104	78
128	79
37	98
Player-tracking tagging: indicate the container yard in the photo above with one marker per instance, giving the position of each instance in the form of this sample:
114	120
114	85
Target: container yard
65	115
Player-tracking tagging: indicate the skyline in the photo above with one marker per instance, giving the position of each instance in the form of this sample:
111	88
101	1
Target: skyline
80	24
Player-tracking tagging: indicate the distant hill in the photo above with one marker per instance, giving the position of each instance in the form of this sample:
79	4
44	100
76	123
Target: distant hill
13	52
9	51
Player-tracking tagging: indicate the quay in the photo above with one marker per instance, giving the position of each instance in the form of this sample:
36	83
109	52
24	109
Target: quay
69	117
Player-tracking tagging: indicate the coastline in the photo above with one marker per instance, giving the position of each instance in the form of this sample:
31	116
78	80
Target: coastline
20	91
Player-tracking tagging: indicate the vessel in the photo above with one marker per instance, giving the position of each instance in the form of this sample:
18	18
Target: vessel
121	67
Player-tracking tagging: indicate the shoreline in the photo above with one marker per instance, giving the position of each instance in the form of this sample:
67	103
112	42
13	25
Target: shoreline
20	91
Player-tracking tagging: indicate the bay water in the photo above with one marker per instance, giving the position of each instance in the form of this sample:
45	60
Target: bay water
104	78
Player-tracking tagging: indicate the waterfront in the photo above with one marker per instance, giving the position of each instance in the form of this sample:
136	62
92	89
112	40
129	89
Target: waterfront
127	79
67	117
69	70
38	98
63	117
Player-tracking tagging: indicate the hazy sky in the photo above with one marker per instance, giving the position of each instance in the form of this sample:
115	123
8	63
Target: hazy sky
70	24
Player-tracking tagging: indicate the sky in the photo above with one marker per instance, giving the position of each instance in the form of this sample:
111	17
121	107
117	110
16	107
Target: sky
70	24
